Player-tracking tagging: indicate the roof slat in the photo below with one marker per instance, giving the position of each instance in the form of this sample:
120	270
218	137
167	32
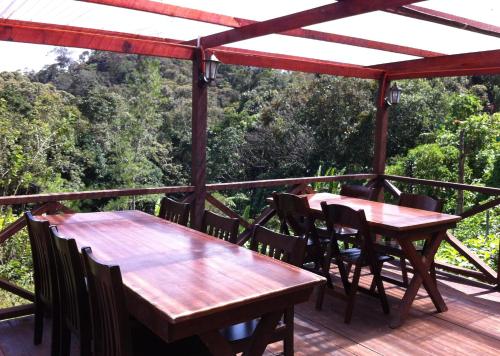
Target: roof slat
317	15
237	22
443	18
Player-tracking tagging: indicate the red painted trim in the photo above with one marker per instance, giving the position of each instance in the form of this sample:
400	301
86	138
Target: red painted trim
455	62
10	30
317	15
446	73
443	18
71	36
236	22
258	59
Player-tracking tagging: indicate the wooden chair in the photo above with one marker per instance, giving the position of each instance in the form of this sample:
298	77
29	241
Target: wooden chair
290	249
174	211
45	278
358	191
295	218
364	256
111	332
390	247
75	310
219	226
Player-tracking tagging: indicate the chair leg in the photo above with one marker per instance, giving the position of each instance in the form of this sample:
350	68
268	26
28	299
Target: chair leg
404	271
56	333
288	340
320	297
39	313
380	288
348	269
352	294
65	341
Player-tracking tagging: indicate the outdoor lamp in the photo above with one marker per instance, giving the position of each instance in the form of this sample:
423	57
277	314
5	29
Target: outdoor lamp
394	94
211	65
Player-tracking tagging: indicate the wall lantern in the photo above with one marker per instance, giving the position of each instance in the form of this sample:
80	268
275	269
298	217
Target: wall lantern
210	67
394	95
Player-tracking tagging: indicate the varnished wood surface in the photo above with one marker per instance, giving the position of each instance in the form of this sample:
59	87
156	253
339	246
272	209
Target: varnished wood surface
180	274
385	216
471	326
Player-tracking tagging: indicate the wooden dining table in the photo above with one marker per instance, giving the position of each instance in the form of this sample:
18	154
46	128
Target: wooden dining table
404	225
180	282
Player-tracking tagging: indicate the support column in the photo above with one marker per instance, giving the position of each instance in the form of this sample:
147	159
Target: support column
381	126
380	140
198	142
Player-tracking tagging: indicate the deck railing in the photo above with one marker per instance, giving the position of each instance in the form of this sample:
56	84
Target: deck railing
52	203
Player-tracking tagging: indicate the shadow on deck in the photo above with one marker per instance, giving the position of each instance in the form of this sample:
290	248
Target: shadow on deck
470	326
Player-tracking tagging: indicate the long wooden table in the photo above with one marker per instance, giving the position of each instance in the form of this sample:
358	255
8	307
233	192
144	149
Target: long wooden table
405	225
180	282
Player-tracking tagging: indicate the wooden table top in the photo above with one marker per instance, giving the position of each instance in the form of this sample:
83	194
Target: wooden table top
383	215
183	273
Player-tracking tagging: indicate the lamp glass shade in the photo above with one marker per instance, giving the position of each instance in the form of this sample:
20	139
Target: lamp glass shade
211	66
394	94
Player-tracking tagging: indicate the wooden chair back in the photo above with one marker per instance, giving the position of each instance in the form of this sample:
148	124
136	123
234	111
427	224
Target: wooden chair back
419	201
44	268
111	333
290	249
174	211
294	213
74	298
345	216
358	191
220	226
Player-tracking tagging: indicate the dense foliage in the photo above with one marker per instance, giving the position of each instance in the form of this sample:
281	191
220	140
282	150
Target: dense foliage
111	121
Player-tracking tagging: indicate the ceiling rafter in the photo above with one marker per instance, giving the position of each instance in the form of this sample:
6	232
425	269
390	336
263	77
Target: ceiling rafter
237	22
457	62
443	18
71	36
317	15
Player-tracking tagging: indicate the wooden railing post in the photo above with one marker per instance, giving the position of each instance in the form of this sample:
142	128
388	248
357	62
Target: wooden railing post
198	140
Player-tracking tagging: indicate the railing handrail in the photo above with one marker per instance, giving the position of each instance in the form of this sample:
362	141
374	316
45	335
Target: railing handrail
443	184
111	193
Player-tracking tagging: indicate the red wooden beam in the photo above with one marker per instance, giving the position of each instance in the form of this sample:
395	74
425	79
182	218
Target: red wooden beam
445	73
236	22
443	18
22	31
317	15
455	62
71	36
292	63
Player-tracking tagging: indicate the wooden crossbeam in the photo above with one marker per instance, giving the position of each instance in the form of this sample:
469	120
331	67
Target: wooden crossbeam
56	35
443	18
310	17
15	312
70	36
455	62
19	291
226	210
237	22
20	223
476	209
464	251
444	73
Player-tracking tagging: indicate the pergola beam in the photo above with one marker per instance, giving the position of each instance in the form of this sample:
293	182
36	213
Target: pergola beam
446	73
71	36
310	17
237	22
443	18
23	31
452	63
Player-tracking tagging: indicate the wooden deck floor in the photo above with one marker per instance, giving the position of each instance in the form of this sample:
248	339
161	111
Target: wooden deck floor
470	326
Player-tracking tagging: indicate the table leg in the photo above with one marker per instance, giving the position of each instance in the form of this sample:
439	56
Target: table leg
218	345
421	265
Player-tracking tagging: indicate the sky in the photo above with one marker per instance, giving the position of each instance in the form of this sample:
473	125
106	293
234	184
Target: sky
377	26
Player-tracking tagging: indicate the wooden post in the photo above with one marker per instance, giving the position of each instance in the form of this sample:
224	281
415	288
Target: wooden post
381	126
198	141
